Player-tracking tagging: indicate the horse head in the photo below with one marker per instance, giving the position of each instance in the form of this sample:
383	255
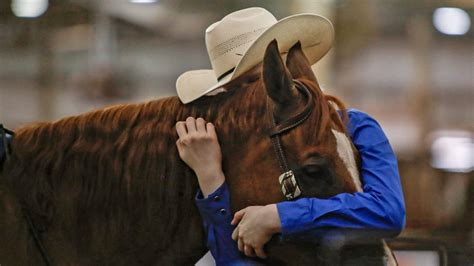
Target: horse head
318	148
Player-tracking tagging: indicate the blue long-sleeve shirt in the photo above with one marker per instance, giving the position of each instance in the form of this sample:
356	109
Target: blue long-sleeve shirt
380	206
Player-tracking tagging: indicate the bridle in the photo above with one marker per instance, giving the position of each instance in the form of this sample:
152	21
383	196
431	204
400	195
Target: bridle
26	213
287	179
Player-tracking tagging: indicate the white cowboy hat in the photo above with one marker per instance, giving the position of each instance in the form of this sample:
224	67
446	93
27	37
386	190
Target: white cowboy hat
237	43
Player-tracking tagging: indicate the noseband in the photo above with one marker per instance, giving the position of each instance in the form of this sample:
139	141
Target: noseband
287	179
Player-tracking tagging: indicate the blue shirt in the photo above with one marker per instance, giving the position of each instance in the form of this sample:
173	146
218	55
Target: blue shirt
380	206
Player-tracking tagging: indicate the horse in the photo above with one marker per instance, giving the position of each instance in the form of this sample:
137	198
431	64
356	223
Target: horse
108	188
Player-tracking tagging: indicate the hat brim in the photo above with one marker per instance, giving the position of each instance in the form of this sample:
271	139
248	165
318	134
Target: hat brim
195	83
315	33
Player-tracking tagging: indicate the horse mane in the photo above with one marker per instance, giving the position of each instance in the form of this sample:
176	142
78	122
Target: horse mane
328	107
104	170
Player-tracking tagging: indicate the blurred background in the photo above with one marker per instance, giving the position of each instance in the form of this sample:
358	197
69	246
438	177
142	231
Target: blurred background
410	64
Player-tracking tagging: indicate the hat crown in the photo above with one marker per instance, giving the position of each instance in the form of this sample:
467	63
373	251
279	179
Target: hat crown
228	39
237	43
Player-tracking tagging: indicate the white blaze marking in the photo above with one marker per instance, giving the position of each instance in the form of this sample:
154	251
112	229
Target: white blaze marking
344	148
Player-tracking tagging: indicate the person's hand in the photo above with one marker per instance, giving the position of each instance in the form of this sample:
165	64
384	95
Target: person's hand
199	148
256	225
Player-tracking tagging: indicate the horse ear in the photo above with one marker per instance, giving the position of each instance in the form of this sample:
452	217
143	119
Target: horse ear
276	78
298	64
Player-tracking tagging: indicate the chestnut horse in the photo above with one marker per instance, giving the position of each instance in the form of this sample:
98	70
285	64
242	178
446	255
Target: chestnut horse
108	188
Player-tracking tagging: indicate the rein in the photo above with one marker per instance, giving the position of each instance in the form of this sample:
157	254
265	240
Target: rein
4	133
36	237
287	180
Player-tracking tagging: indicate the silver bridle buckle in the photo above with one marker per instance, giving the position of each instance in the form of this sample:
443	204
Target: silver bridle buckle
289	187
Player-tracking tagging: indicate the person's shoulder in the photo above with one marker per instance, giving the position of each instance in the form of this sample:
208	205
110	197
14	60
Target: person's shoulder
359	120
357	116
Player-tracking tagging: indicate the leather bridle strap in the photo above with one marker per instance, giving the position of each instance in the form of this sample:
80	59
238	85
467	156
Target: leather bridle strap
36	238
287	180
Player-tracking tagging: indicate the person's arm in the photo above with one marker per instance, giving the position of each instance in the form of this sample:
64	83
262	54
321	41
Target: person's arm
376	212
199	148
379	207
216	215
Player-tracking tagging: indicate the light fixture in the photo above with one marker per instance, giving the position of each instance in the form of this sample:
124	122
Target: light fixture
143	1
451	21
29	8
453	151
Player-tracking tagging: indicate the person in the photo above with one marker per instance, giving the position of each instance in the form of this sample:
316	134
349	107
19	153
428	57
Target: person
234	239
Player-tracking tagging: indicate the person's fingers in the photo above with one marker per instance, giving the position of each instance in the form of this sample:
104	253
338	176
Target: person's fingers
211	130
201	125
191	124
238	216
248	250
179	145
240	245
235	234
260	253
181	129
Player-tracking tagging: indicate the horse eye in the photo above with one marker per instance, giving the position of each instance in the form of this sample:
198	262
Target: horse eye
315	165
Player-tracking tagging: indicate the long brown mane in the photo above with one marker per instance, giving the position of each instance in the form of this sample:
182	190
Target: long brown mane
104	171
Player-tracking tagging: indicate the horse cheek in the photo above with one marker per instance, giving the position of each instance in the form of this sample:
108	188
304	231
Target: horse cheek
253	177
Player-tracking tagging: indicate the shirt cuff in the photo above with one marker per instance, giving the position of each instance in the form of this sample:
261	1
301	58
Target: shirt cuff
215	209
